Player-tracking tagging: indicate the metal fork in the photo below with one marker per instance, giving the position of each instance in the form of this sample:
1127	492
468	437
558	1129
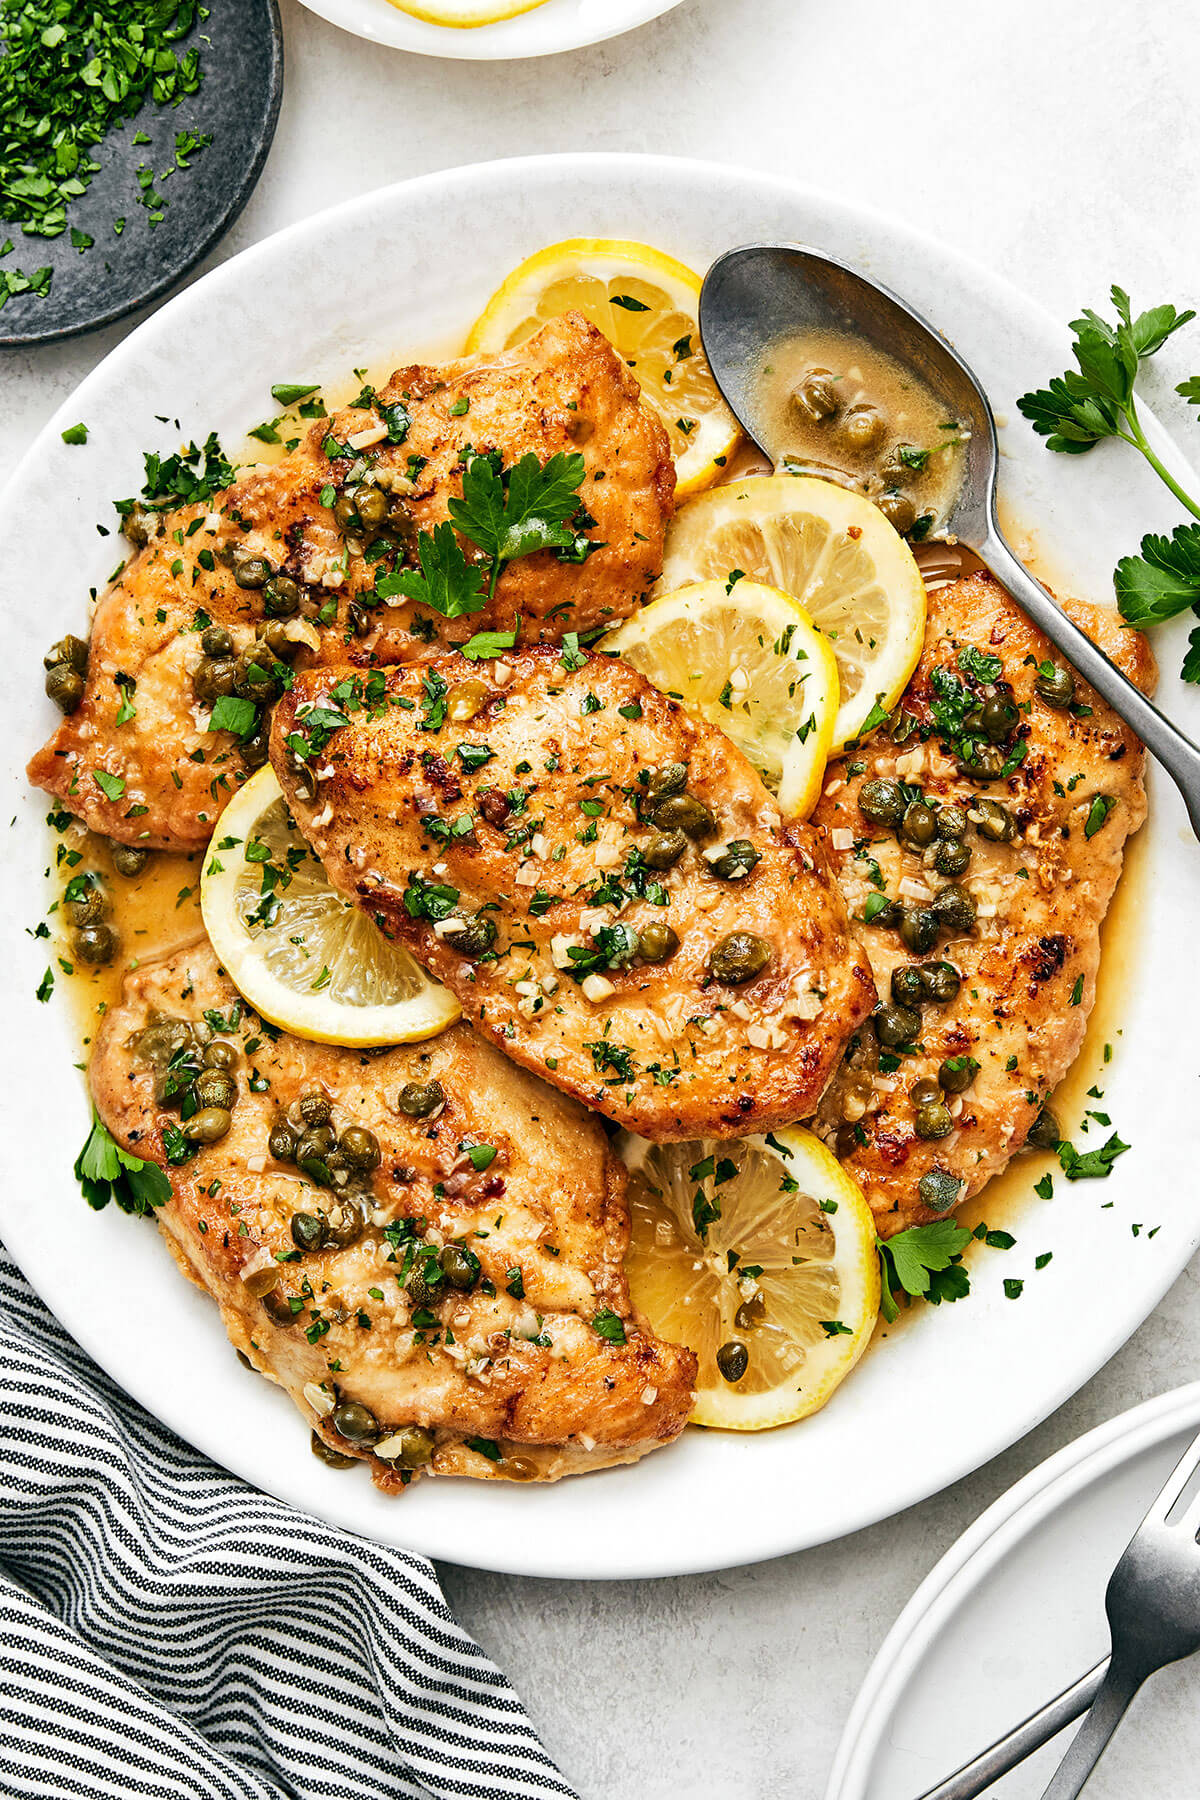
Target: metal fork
1153	1607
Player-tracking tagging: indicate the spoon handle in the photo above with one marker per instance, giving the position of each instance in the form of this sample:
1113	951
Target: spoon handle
1177	753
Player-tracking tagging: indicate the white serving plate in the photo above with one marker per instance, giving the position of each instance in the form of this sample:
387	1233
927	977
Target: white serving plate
557	25
366	281
1013	1614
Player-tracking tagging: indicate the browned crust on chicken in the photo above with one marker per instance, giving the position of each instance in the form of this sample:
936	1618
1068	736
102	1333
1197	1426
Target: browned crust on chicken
564	390
546	837
1029	965
551	1203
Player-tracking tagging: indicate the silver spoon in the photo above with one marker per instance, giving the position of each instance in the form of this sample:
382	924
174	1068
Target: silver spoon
754	296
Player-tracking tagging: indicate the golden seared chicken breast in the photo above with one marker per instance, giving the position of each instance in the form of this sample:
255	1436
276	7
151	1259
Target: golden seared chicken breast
299	562
424	1246
978	843
602	880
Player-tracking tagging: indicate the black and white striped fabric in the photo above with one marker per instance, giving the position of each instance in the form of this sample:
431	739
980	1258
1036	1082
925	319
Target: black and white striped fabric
167	1631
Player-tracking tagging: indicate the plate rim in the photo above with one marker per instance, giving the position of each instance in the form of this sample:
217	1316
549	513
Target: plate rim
236	203
193	1424
1011	1518
460	43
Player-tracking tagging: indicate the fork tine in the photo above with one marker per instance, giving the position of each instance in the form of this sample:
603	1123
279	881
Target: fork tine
1177	1481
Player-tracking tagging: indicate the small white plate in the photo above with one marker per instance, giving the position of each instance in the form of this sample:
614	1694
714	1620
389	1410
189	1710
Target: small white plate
1013	1614
556	25
382	277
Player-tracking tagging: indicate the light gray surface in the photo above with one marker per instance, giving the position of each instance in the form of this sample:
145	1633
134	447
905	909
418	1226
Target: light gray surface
1056	142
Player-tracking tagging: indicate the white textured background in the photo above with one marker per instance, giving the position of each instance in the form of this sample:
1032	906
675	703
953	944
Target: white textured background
1058	141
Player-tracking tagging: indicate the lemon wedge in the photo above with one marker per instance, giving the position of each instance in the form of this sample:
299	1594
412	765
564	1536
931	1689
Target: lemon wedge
304	957
758	1253
463	14
837	555
749	660
647	305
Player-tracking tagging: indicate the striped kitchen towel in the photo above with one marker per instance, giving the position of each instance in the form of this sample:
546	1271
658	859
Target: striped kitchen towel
167	1631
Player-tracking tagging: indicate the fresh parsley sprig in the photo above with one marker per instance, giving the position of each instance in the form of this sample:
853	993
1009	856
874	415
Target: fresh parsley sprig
924	1262
106	1172
1096	401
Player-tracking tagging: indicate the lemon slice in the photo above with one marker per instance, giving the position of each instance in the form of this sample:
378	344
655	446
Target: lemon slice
763	1243
749	660
303	956
836	553
465	13
647	305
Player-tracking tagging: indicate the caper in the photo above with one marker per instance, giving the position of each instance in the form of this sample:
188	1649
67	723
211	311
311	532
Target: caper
846	1141
419	1098
372	506
162	1039
942	982
933	1121
739	957
333	1459
1057	688
213	1087
466	700
939	1190
251	571
282	1141
345	508
925	1092
420	1290
750	1313
908	984
208	1125
279	1306
96	944
139	525
683	812
951	822
460	1266
816	397
956	1074
954	906
477	936
220	1055
887	914
314	1145
254	679
664	849
994	822
736	860
344	1224
861	428
90	905
657	942
952	857
360	1148
1044	1134
281	597
73	651
997	717
670	779
308	1231
314	1108
918	929
985	763
361	623
882	802
919	825
733	1359
216	641
523	1468
272	635
352	1421
213	678
898	510
64	686
896	1025
129	859
410	1448
400	521
255	750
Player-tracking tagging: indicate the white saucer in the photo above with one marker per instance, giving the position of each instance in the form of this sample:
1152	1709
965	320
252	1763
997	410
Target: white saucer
1014	1613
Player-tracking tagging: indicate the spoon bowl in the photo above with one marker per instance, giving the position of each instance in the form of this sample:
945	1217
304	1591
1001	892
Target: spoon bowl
755	296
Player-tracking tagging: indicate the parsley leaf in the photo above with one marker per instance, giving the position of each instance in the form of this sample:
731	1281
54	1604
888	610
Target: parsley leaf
106	1172
924	1262
445	582
1090	1165
515	514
